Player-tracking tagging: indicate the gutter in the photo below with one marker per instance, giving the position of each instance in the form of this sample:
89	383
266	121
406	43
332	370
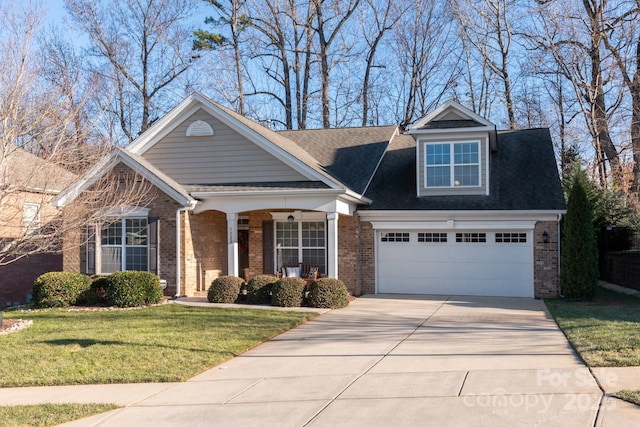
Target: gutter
178	247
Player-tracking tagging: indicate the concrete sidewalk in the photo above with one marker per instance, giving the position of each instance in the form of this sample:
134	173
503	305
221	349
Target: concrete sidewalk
384	360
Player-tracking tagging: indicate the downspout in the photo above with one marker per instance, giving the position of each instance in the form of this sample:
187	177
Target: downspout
178	247
559	239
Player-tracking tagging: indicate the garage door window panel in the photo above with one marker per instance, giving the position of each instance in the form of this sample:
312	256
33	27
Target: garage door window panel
432	237
395	237
471	237
511	237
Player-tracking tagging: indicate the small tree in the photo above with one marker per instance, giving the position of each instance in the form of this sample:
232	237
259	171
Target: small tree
579	256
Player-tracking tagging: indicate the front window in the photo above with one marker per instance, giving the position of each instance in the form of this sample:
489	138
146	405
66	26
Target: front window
123	245
301	242
452	165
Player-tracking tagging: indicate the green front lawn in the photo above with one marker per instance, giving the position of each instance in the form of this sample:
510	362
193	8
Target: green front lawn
48	414
605	331
156	344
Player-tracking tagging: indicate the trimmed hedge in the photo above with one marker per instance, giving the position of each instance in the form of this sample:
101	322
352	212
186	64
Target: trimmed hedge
259	289
60	289
288	292
328	293
225	289
133	289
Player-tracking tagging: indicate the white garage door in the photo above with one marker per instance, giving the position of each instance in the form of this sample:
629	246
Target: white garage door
440	262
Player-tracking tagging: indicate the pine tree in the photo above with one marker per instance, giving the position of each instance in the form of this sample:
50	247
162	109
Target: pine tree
579	255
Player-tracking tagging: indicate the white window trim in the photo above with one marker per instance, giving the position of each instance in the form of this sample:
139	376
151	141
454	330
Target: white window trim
452	163
300	248
123	245
31	225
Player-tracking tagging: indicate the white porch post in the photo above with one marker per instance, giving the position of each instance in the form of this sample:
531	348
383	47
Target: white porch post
332	244
233	265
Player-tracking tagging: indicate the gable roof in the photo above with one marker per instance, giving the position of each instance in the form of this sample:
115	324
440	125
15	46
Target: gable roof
272	142
136	163
452	115
523	174
29	172
351	155
448	110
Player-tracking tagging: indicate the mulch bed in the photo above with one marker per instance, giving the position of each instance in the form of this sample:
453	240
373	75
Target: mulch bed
13	325
7	323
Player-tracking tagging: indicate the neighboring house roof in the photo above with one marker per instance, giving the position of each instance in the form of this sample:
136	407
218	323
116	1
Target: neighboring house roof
351	155
29	172
523	175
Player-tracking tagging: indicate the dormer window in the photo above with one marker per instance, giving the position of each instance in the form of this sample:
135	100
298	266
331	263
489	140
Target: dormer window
455	164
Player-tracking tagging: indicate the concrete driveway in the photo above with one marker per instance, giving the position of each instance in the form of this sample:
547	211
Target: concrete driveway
389	360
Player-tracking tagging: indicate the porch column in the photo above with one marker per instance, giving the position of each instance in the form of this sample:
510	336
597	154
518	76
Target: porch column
232	240
332	244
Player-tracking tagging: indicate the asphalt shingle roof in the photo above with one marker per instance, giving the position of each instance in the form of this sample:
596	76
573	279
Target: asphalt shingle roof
350	155
451	124
524	176
29	172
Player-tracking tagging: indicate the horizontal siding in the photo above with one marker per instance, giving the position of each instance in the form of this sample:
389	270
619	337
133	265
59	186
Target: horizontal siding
450	138
225	157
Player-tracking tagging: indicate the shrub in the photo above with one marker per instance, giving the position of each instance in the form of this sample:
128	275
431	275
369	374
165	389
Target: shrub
133	289
288	292
259	289
59	289
225	289
328	293
97	293
579	255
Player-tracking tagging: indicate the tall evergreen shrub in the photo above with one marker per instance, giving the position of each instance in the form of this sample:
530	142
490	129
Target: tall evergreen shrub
579	250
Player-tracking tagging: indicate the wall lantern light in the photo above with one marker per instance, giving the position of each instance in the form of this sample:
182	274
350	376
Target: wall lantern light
545	237
290	218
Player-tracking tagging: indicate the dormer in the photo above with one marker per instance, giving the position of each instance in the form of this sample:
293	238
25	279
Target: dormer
453	146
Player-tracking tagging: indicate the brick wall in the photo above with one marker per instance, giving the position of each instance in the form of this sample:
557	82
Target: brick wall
161	206
545	268
164	208
255	242
204	250
16	278
366	258
348	252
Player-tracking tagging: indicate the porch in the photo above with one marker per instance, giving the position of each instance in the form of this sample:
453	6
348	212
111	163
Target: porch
254	242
